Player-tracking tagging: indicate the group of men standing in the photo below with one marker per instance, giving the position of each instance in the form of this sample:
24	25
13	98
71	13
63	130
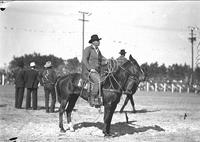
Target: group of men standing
30	79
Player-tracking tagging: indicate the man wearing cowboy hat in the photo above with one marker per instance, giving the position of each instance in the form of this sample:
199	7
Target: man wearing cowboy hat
31	83
121	59
92	62
49	79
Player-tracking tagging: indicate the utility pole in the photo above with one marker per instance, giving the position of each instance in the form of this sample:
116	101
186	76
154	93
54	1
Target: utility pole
83	29
192	39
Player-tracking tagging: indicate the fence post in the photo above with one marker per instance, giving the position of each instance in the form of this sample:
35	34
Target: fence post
188	89
138	88
180	88
172	88
3	79
147	86
165	85
156	87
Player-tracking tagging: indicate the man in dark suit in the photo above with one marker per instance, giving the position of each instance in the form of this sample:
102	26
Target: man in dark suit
31	83
92	62
19	85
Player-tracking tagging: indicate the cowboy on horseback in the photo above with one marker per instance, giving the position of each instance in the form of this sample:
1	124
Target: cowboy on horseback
91	69
122	59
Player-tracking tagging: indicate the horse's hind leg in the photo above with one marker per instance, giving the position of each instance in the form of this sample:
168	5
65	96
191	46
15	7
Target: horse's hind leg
61	111
71	104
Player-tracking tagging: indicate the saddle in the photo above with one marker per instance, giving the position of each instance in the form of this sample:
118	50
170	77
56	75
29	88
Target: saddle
88	84
94	100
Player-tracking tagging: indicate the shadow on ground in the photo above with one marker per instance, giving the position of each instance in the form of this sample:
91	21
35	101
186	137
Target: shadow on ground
138	111
3	105
120	128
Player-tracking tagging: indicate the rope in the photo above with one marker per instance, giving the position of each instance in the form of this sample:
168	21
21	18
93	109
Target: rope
110	71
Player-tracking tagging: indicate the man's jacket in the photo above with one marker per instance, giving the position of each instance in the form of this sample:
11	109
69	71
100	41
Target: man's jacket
19	78
49	78
121	60
91	60
31	78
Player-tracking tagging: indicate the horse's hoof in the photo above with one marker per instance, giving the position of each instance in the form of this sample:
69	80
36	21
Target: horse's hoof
108	135
71	130
62	130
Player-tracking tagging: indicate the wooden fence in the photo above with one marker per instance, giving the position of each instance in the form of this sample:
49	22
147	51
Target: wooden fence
168	87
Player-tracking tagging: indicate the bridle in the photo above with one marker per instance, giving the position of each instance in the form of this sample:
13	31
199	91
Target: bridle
131	76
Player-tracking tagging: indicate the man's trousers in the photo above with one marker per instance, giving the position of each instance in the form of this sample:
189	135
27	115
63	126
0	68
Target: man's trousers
19	95
47	92
33	92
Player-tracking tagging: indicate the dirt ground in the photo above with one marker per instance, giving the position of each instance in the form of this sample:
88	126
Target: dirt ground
159	118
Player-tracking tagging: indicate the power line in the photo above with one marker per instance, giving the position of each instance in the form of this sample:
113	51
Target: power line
34	30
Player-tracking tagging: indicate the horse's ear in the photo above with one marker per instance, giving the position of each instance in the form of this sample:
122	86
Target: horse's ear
130	57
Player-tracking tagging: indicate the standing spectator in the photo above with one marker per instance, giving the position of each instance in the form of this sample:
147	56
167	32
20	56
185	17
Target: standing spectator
31	83
19	85
49	79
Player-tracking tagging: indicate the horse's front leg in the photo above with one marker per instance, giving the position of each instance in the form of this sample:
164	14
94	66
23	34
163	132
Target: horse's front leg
125	103
108	113
61	111
69	109
132	103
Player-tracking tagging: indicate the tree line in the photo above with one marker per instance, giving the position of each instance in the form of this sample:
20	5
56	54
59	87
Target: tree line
153	71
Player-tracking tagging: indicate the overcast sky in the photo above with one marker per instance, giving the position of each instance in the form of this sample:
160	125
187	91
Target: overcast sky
150	31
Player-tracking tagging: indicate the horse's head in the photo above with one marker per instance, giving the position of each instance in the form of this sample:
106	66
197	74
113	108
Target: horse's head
133	69
121	75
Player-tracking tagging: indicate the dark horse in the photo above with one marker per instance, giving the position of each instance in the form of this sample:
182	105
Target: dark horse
68	92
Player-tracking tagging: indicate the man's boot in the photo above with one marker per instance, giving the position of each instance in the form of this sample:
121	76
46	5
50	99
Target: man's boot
95	100
91	100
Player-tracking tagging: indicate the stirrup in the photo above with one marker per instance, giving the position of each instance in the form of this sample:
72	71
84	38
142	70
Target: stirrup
95	101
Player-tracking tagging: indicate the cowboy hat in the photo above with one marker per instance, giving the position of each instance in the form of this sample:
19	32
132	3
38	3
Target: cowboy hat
48	64
94	38
122	51
32	64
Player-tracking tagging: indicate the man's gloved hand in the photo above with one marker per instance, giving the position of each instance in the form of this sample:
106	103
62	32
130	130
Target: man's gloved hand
93	70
